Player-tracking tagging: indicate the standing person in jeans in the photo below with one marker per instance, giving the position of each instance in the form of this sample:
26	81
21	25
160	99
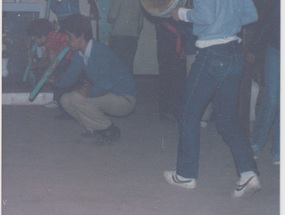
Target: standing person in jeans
110	88
126	19
268	113
217	71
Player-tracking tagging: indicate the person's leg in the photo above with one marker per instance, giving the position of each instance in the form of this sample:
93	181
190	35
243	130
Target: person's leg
130	49
226	106
178	76
200	86
172	74
270	102
165	47
90	112
190	59
275	146
87	115
228	124
206	116
58	92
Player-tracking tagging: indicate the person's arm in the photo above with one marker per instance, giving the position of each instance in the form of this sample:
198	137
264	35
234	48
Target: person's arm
202	14
68	78
250	14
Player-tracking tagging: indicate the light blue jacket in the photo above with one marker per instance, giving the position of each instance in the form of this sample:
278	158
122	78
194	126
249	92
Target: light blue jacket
216	19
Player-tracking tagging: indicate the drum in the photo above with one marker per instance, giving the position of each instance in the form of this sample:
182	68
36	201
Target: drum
161	8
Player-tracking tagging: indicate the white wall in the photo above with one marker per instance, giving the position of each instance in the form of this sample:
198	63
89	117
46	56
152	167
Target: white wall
145	60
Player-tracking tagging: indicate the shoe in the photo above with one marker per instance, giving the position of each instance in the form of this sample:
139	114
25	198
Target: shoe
172	178
52	104
109	135
91	134
276	160
63	116
247	185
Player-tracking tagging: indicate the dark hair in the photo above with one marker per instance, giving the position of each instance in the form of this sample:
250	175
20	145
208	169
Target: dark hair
39	28
78	24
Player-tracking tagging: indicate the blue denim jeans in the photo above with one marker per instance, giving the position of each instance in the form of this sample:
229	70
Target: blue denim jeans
268	113
216	76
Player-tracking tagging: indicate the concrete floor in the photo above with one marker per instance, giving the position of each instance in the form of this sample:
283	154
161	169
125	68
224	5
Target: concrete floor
48	170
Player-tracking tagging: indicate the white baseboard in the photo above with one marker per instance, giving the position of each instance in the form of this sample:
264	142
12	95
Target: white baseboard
23	99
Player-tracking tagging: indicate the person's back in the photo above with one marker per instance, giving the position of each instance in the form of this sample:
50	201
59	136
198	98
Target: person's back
215	19
126	17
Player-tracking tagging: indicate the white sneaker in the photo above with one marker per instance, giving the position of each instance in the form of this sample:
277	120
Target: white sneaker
172	178
52	104
247	185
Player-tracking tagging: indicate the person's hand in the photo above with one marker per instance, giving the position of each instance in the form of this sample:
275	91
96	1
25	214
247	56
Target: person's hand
250	57
175	15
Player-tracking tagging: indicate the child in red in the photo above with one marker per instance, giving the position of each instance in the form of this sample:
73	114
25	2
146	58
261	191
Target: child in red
42	33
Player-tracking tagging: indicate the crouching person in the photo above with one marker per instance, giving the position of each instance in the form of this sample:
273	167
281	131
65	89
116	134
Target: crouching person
109	88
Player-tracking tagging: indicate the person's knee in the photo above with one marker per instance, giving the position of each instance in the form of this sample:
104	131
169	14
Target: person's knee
72	100
223	124
65	100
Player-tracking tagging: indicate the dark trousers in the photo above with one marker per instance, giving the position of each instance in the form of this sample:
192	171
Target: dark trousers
172	73
125	47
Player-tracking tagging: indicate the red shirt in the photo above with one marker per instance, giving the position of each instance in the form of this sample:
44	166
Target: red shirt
57	41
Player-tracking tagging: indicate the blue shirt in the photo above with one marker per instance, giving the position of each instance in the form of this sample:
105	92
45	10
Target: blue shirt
103	69
216	19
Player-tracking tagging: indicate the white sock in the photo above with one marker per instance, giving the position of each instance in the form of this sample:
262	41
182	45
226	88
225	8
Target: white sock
181	178
244	176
